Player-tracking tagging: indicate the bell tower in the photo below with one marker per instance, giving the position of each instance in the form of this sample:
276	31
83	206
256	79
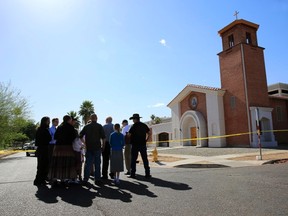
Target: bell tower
243	76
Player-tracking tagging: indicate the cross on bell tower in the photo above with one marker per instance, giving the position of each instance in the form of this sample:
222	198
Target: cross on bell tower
236	15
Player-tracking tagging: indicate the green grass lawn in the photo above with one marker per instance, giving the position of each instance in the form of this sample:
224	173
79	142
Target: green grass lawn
7	152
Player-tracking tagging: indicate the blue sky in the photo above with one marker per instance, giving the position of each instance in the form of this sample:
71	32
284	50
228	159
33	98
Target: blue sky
126	56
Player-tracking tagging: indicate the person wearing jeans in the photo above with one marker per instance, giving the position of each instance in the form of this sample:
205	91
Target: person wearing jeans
108	130
94	143
92	156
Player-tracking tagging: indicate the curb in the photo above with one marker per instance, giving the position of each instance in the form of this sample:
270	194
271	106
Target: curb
5	155
273	161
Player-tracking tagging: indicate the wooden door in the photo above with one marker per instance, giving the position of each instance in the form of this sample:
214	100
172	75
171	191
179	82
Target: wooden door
193	133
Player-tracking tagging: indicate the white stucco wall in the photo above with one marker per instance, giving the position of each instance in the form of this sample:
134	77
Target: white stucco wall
263	112
215	120
175	126
162	128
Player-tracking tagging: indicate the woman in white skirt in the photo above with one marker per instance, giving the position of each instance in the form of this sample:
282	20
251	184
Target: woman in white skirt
117	143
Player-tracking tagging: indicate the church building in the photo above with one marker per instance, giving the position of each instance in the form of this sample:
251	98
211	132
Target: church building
231	115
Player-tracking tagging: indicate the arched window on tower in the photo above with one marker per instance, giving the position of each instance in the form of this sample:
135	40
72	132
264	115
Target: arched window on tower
248	38
231	40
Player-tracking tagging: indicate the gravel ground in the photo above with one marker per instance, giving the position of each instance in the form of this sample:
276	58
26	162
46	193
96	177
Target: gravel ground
192	150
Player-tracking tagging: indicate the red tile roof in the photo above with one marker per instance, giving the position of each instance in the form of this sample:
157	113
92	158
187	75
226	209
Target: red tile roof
205	87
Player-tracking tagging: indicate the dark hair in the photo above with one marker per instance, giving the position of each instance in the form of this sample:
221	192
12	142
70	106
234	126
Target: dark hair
43	123
117	126
109	119
124	121
55	119
66	118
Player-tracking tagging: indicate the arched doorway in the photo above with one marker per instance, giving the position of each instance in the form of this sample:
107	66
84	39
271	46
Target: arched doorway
163	139
193	127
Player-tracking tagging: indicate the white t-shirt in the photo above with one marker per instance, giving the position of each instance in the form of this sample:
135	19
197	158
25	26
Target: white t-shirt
125	129
77	145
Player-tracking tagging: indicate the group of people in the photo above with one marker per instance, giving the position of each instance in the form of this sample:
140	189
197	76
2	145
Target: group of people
61	150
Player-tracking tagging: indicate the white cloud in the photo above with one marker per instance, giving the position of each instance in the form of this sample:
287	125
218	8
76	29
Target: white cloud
156	105
162	42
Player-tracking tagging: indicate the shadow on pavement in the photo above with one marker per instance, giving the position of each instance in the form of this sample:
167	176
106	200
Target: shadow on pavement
201	166
80	196
75	195
84	195
111	191
136	188
163	183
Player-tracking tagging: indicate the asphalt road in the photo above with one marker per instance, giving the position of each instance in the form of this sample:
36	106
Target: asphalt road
261	190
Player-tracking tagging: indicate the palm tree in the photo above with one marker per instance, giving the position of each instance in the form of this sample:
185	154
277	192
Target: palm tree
155	119
74	116
86	109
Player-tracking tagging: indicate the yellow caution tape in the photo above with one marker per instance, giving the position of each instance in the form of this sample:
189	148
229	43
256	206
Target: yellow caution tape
192	139
216	137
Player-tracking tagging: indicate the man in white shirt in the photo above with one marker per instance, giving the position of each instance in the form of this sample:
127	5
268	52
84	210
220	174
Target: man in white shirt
127	148
52	130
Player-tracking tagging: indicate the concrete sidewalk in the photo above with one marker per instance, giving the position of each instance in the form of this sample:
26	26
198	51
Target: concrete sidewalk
214	158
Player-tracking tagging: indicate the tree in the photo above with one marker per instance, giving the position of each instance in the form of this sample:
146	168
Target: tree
29	129
86	109
14	112
155	119
74	116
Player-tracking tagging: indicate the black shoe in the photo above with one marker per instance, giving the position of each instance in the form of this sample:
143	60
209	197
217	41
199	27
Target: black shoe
38	183
98	182
147	176
127	173
54	183
104	177
132	176
84	182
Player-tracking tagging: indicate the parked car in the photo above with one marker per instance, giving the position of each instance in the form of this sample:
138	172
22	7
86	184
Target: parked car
25	146
30	149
